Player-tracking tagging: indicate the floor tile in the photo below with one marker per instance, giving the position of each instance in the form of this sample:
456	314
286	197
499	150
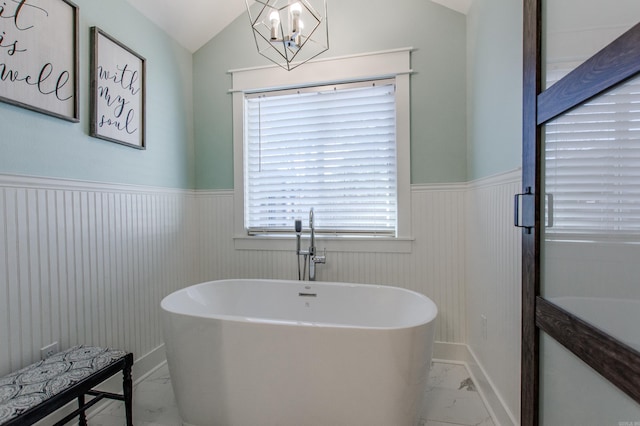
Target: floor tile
451	399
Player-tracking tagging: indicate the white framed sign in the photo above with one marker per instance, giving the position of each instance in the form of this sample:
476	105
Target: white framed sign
117	91
39	56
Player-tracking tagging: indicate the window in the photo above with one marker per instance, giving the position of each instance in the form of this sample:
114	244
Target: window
593	166
332	148
295	164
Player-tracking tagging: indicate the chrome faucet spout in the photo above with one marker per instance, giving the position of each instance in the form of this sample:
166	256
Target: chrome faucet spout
310	254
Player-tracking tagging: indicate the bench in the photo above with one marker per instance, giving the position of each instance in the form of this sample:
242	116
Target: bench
39	389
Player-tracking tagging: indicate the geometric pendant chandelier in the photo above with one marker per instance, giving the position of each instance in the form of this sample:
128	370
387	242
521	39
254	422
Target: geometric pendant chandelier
289	32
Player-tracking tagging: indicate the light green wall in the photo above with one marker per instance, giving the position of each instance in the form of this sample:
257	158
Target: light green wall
438	92
183	89
39	145
494	44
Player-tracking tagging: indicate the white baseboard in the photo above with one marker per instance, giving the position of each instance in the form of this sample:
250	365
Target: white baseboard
461	353
451	351
148	363
142	367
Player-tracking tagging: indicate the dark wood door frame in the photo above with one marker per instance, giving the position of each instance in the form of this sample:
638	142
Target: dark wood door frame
615	361
531	145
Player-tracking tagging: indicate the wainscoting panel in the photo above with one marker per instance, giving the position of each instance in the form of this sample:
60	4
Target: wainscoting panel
88	263
434	267
84	263
493	284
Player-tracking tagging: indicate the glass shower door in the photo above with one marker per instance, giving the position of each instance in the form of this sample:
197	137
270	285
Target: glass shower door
591	250
583	294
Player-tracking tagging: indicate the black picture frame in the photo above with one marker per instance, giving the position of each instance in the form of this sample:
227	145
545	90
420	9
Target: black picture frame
118	93
39	57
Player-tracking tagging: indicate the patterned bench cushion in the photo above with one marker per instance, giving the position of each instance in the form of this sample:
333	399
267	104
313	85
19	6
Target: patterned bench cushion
34	384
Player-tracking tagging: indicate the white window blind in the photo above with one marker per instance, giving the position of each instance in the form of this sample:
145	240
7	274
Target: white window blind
330	148
593	165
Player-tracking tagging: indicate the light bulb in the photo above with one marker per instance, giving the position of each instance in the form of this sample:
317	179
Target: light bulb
295	10
274	17
298	37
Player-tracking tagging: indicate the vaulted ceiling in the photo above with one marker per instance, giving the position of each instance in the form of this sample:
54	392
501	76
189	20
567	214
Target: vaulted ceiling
195	22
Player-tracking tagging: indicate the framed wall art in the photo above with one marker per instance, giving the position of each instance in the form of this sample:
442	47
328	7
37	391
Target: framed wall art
39	56
117	91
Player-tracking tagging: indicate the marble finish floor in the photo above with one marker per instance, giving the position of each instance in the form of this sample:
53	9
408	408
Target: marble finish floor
451	399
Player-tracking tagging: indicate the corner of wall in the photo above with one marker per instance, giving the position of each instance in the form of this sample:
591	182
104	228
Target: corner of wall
493	279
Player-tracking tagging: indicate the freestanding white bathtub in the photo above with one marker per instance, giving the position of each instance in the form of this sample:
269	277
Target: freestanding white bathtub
298	353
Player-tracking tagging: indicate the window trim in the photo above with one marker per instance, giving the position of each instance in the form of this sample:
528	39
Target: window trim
394	64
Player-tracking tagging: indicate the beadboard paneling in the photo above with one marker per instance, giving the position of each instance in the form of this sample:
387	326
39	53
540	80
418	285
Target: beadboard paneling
493	284
89	263
84	263
434	267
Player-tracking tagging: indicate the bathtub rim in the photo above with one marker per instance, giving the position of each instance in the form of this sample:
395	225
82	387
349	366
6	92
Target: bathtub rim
429	318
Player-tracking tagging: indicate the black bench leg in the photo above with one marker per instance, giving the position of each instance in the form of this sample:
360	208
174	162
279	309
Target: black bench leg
127	388
82	417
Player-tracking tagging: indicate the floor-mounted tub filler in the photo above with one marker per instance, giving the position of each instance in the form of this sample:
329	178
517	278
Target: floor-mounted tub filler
292	353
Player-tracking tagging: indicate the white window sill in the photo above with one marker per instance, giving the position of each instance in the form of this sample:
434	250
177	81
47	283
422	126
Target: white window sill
331	244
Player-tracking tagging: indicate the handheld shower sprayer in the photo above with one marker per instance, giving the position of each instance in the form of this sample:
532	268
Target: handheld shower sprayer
298	225
312	238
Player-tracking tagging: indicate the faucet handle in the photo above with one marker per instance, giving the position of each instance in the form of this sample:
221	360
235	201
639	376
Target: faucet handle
321	259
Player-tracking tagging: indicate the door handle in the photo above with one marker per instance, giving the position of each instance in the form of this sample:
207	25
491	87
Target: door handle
527	225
